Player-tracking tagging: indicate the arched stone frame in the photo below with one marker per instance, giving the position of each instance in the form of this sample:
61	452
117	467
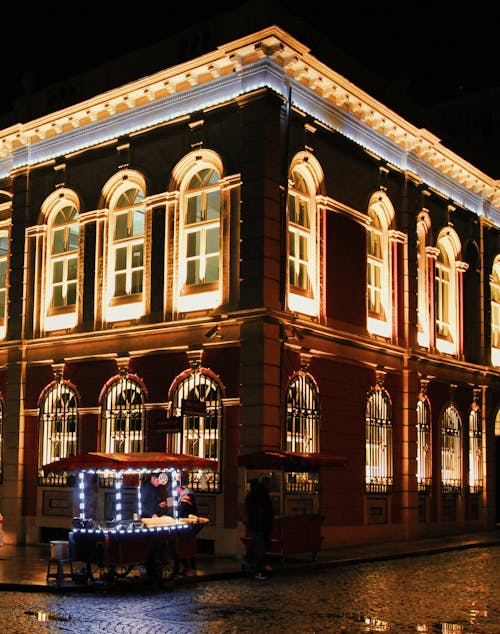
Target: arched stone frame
302	297
196	397
133	249
424	440
495	311
302	425
379	458
48	265
381	255
425	290
208	294
450	424
448	304
58	420
123	414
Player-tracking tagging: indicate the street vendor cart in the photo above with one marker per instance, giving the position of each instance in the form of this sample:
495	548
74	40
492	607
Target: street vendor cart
294	491
109	536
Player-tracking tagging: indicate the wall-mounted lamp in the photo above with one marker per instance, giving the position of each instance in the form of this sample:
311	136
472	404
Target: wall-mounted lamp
213	332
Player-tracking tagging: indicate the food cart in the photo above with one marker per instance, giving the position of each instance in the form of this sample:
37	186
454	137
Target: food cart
109	536
294	492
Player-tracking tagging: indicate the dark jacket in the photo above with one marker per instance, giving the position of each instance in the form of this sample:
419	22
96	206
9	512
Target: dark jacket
259	511
186	504
149	499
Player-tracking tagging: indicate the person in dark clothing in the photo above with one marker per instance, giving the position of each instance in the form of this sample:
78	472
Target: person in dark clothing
259	515
153	500
186	506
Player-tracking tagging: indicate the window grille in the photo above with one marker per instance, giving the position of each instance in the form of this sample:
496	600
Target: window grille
198	401
58	418
424	453
123	416
4	255
451	452
378	476
302	415
475	451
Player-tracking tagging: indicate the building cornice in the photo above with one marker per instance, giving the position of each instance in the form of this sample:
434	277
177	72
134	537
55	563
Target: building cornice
271	59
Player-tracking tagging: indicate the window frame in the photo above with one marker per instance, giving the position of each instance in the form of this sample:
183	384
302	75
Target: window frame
50	414
302	414
119	432
378	442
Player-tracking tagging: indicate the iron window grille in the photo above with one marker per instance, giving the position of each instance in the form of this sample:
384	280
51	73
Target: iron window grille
451	452
424	453
302	414
123	416
378	475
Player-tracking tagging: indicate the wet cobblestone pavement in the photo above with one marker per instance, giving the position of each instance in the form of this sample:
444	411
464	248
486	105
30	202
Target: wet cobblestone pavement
453	592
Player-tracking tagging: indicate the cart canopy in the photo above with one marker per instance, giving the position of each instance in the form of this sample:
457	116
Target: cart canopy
129	461
290	460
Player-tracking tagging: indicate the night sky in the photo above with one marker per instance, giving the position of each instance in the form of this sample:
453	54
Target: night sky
429	51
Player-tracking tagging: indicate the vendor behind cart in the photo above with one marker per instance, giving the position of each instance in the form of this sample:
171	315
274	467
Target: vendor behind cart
153	496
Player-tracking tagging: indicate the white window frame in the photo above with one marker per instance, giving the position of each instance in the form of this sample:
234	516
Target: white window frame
379	300
495	312
129	303
303	235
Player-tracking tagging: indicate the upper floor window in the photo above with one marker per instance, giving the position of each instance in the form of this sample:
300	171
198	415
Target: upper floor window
302	415
423	295
447	292
475	449
451	451
495	312
303	236
200	237
126	243
58	418
424	447
378	427
123	416
4	265
61	282
379	266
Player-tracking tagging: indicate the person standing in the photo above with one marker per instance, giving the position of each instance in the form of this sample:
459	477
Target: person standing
259	515
186	506
152	504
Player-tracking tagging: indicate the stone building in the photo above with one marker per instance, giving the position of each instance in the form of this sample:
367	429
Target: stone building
246	252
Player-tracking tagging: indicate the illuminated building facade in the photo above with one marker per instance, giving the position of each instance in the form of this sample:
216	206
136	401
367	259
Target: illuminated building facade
247	252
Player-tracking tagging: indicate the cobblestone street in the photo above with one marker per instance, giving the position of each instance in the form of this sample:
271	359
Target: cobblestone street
453	592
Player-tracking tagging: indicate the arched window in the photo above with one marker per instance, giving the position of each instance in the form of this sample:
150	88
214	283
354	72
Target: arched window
58	418
197	399
303	235
448	292
200	271
302	414
451	451
475	449
379	266
495	312
61	282
423	294
124	296
123	416
424	447
378	426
